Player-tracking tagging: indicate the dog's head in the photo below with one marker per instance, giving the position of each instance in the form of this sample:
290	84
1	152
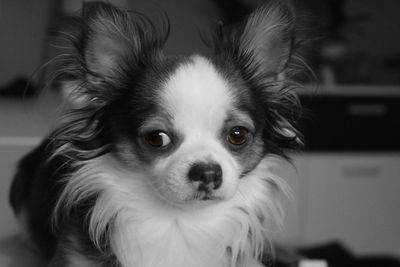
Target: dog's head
194	125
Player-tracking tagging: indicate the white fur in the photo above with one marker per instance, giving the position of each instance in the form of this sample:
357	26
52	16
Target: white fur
146	231
198	100
197	97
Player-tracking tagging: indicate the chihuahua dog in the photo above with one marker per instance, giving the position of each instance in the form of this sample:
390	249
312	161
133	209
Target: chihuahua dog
165	160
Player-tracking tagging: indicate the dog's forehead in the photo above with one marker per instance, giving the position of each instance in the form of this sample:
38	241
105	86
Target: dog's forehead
197	95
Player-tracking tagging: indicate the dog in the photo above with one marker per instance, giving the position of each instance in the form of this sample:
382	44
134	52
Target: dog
164	160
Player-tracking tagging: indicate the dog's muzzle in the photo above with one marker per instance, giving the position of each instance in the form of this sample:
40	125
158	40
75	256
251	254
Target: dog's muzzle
208	176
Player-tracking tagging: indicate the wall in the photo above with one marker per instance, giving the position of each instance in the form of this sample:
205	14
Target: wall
23	25
351	198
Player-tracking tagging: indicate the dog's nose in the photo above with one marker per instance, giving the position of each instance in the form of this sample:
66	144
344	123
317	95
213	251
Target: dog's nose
208	174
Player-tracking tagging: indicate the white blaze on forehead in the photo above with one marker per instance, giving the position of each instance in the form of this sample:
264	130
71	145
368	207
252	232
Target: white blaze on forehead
197	97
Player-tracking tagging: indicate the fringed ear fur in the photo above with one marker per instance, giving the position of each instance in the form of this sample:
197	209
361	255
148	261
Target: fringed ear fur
112	35
262	44
108	45
106	39
267	39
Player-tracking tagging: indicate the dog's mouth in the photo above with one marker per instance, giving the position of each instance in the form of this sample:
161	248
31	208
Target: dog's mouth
204	195
192	196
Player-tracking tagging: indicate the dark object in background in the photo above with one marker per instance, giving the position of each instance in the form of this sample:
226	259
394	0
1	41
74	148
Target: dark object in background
236	10
339	256
351	122
335	254
21	87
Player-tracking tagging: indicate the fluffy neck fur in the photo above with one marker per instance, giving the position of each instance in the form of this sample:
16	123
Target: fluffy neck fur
144	230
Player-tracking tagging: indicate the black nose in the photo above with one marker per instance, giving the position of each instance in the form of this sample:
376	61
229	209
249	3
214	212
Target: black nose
208	174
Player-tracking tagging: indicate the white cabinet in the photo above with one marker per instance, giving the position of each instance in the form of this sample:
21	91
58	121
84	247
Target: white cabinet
348	197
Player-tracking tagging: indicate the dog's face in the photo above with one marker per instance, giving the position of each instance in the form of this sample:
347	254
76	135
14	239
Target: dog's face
194	125
192	128
198	139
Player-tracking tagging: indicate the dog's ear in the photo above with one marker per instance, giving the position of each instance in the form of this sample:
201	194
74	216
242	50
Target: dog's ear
105	38
261	45
112	38
107	45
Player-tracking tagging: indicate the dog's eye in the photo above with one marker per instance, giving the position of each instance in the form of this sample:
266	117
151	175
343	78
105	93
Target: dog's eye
238	135
157	138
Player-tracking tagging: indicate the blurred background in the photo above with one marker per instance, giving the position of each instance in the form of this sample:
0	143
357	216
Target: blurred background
346	182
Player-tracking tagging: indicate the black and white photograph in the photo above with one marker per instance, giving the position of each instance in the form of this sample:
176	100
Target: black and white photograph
199	133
